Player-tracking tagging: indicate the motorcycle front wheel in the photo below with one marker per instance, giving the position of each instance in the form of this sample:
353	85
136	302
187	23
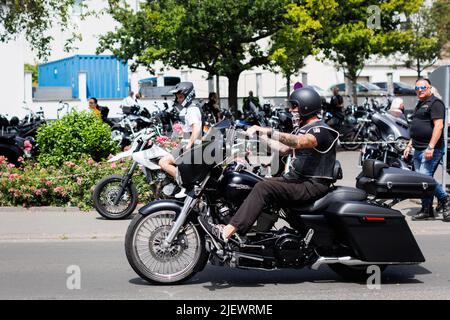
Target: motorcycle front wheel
153	262
106	191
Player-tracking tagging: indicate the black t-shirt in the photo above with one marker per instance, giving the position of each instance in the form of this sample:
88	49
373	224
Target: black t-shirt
335	103
422	125
324	137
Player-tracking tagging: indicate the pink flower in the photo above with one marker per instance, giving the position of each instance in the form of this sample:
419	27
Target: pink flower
48	183
3	159
27	145
11	166
113	165
79	181
90	162
44	190
20	159
58	190
11	190
161	139
178	128
70	164
38	192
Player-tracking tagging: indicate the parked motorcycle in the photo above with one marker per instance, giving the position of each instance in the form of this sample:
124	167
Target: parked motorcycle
343	229
13	147
135	119
393	134
115	196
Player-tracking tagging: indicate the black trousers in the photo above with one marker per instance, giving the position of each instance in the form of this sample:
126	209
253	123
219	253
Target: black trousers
278	191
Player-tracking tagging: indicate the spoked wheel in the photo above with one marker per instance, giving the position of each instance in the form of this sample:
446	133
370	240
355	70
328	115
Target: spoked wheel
105	193
356	141
157	264
353	273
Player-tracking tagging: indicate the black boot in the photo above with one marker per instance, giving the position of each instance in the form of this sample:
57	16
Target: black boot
425	213
446	217
442	205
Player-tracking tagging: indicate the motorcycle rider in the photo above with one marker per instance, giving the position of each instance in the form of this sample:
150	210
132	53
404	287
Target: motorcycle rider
191	117
310	175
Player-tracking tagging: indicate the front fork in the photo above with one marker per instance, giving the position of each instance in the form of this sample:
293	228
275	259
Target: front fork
125	181
189	203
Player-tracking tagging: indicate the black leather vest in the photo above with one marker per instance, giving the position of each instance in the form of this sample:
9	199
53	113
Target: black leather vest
313	163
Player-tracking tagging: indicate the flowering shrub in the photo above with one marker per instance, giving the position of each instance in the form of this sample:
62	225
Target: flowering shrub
76	135
72	184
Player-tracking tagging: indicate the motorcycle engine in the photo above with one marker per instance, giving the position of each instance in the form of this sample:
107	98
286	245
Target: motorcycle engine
224	212
289	248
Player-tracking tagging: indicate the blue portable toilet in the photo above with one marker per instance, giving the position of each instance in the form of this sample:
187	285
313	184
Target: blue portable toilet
106	76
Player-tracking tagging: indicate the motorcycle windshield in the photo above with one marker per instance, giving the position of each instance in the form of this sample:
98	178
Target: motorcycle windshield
391	125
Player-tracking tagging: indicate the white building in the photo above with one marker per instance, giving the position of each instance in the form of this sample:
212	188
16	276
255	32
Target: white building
14	87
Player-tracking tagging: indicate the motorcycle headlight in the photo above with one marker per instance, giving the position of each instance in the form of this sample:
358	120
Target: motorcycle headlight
390	138
401	144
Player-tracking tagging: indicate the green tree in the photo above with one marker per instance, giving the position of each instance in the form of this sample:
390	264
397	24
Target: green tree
302	28
34	69
361	29
33	18
216	36
428	33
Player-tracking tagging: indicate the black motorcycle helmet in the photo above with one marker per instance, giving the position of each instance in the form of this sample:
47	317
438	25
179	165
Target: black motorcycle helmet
186	89
14	121
308	101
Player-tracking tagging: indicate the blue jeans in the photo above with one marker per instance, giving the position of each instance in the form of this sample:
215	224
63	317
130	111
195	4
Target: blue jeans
429	167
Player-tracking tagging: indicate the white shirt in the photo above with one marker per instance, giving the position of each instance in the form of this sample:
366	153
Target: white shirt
191	116
128	102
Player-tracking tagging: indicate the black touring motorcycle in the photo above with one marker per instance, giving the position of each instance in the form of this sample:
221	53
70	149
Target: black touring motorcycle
348	229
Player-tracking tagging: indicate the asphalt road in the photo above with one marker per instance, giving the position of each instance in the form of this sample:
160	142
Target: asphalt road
38	271
40	247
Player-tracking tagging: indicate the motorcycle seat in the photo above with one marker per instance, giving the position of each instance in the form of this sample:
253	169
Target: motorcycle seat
341	194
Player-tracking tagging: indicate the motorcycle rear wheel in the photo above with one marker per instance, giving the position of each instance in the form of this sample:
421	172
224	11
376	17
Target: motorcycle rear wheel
104	194
156	264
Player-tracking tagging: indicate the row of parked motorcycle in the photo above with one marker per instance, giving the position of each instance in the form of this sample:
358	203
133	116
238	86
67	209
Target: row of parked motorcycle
17	137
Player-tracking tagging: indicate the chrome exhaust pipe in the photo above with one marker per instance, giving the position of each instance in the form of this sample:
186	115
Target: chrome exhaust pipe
347	260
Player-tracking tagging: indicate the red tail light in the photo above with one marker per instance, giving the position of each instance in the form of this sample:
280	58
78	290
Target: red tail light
374	218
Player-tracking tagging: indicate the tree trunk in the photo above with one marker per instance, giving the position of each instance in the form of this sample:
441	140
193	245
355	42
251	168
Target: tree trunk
288	85
418	68
232	92
352	87
218	88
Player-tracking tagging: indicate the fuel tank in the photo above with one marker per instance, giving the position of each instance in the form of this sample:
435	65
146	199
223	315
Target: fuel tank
239	184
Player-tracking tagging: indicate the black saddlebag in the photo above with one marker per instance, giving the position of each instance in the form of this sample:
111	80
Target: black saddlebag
377	234
386	182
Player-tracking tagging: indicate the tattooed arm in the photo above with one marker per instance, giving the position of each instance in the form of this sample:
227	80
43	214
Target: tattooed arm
303	141
275	145
306	141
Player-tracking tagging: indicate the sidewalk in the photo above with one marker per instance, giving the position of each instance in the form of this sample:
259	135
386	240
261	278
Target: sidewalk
71	224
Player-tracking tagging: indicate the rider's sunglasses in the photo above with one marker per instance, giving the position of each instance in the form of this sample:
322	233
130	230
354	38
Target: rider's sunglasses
292	104
421	88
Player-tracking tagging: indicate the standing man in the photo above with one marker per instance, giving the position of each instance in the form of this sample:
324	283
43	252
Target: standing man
129	101
427	140
251	103
335	108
